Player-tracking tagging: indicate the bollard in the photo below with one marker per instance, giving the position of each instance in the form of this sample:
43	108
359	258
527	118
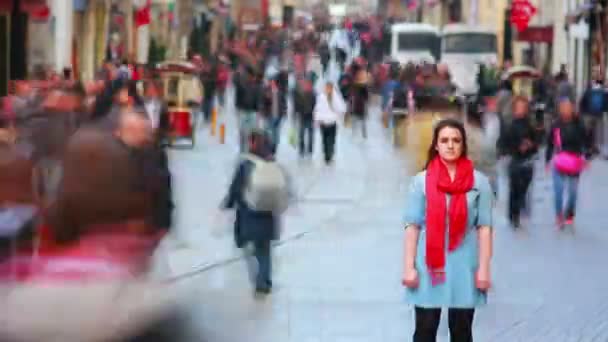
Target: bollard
213	121
222	133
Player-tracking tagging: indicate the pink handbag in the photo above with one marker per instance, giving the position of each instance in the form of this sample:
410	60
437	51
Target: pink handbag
565	162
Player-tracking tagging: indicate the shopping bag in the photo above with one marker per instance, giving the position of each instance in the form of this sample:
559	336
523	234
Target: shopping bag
293	137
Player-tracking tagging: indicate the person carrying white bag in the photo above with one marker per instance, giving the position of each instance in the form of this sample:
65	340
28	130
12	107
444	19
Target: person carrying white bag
260	192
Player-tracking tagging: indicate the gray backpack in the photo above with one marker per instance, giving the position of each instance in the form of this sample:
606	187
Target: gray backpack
267	188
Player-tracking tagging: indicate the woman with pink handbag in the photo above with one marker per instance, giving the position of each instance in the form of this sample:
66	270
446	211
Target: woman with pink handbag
567	144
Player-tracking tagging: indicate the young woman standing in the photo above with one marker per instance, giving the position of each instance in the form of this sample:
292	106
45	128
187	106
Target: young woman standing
448	239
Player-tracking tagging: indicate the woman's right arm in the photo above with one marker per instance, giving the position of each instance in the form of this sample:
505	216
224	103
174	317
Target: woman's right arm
413	221
412	232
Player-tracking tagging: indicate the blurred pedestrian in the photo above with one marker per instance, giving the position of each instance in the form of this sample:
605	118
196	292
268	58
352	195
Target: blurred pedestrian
329	108
448	238
257	209
566	146
248	102
304	105
593	105
520	144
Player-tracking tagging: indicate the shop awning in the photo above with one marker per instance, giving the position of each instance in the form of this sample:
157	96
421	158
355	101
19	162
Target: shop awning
33	6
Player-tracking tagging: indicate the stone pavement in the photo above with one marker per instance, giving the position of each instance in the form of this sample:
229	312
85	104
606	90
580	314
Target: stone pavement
341	280
337	270
203	237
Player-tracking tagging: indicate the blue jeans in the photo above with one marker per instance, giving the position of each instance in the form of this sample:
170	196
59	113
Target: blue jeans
274	129
247	123
207	107
306	130
262	254
563	182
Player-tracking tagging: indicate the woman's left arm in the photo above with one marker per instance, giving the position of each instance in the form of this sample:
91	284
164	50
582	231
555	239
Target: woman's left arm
484	238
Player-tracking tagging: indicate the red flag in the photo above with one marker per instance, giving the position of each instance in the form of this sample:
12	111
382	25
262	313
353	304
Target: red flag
142	16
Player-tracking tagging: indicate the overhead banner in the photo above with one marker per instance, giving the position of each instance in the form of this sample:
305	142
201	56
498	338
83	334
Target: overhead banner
536	34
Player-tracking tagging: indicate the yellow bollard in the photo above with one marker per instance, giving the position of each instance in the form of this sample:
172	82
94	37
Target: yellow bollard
222	133
213	120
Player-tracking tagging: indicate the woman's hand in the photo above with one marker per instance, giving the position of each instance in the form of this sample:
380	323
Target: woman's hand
482	279
410	278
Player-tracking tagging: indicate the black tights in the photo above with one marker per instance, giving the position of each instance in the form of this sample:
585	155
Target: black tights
460	322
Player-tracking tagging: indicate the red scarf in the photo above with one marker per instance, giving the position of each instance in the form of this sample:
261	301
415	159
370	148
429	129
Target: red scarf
438	184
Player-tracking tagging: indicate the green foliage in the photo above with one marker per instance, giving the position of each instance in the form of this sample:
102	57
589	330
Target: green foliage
157	53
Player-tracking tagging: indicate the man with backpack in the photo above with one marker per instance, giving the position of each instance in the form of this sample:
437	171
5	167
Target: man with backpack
260	194
593	105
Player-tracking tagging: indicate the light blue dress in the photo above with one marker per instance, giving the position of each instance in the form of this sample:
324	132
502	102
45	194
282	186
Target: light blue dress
459	290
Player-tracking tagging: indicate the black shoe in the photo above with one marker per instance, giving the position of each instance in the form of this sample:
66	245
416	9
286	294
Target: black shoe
515	223
263	290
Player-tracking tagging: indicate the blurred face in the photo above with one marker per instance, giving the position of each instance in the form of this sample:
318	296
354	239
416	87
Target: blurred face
22	88
134	131
449	144
151	92
329	89
566	110
122	97
520	109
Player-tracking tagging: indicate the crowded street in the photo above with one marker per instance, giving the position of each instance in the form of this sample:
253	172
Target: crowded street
338	262
272	171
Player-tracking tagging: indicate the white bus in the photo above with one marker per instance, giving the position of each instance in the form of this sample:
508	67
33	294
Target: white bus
463	48
415	42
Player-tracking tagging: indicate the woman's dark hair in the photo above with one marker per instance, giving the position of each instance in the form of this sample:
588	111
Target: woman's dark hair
451	123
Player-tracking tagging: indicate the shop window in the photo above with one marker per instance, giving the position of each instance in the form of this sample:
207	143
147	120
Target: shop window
455	11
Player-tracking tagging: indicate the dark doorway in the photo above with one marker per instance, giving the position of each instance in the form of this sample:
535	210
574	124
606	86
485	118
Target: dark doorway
507	49
4	51
18	39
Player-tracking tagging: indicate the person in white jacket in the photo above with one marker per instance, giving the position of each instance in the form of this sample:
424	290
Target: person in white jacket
329	108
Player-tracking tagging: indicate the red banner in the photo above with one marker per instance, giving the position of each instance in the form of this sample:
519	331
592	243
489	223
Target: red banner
521	13
33	6
539	34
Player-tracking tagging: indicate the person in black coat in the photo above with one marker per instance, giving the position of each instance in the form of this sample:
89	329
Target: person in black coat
520	143
258	228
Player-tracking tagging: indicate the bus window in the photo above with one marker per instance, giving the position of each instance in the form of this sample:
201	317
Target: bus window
469	43
419	42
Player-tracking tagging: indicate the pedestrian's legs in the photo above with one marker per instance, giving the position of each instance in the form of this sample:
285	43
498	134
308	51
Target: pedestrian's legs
247	122
571	189
262	254
514	195
311	136
242	131
558	193
427	323
221	98
301	136
331	141
276	131
590	123
364	126
326	135
207	107
520	178
460	322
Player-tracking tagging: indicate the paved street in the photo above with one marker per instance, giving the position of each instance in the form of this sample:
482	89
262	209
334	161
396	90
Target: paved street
338	267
